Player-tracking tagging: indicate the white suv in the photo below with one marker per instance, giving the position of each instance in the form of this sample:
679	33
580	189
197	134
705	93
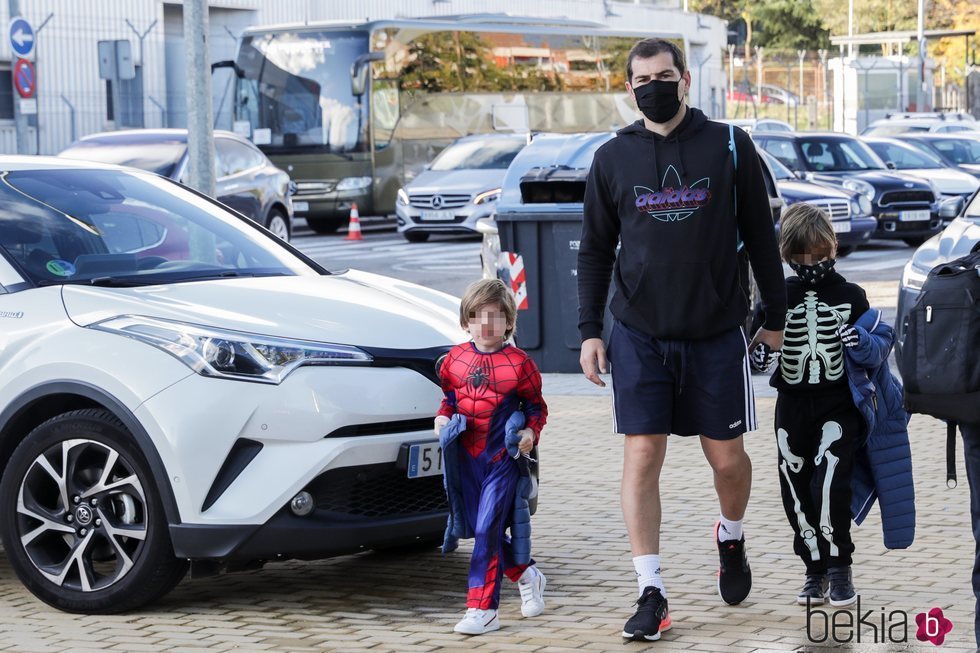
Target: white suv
178	386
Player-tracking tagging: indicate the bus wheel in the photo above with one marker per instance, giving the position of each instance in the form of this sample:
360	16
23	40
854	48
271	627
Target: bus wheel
325	225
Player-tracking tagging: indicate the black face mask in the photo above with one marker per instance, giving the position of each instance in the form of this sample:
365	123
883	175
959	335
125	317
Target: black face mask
812	274
658	100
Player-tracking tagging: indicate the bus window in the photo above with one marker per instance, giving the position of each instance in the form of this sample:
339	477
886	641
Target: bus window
384	110
297	86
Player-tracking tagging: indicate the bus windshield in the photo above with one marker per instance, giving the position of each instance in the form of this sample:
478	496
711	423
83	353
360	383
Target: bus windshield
296	91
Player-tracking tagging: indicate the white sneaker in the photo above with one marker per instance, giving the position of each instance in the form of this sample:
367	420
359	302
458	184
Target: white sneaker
477	622
532	587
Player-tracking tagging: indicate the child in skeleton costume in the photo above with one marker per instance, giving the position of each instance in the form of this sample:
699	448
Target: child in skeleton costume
489	421
818	426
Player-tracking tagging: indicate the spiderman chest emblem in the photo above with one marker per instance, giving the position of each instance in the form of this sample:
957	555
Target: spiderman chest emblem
478	378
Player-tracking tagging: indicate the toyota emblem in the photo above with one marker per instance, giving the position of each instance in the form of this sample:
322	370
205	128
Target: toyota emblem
436	201
84	515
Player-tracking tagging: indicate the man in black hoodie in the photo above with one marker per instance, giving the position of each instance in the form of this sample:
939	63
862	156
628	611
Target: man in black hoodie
686	199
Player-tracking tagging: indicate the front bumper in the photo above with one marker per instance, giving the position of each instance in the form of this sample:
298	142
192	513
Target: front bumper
891	226
333	205
357	508
410	218
862	227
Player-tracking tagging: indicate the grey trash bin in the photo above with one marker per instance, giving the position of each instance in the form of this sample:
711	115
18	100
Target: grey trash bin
539	221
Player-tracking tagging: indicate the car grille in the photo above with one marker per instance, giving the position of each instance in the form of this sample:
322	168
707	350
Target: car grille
836	209
373	491
892	197
444	201
314	187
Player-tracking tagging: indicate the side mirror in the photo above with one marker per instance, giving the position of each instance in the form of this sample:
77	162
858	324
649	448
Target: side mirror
891	165
487	226
228	64
359	69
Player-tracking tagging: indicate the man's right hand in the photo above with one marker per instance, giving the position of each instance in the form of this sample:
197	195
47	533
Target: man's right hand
593	360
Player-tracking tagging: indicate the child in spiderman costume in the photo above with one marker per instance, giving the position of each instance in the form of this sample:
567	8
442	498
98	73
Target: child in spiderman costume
491	387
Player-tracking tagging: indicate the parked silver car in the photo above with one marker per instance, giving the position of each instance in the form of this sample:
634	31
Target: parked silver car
458	188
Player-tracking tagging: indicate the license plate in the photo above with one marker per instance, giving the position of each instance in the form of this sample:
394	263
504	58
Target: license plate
913	216
301	207
424	459
438	215
842	227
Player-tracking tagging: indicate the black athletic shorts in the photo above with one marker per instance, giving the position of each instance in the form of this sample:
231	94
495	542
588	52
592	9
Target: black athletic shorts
685	387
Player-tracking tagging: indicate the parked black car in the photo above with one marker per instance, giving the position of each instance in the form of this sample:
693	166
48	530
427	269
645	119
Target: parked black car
246	180
906	208
961	150
849	211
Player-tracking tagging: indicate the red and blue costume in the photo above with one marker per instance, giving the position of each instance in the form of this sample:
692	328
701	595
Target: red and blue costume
487	388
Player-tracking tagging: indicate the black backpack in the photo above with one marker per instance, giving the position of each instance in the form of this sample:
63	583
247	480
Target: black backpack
940	356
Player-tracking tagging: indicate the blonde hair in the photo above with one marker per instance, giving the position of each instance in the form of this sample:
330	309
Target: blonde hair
489	291
805	229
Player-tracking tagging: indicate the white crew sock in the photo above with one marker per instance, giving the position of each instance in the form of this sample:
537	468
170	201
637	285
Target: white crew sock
648	572
729	530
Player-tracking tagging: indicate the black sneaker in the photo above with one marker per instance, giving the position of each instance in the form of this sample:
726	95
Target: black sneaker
841	588
651	618
814	590
734	575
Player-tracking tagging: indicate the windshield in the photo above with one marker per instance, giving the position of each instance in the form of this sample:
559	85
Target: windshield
107	227
488	154
296	91
778	169
836	155
905	157
958	150
160	157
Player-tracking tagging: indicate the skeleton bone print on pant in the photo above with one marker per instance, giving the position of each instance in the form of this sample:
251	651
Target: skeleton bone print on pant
811	339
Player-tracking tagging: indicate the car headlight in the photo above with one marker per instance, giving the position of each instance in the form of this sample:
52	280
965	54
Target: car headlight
226	354
487	196
354	183
913	276
861	205
861	186
402	196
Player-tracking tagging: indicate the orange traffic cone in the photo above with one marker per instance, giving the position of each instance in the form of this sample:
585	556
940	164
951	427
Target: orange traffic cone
354	226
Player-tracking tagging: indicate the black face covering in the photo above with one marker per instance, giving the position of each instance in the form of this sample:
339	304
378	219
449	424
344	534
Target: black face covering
812	274
658	100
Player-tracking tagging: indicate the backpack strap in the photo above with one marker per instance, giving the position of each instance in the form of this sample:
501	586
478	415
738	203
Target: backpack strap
731	146
950	454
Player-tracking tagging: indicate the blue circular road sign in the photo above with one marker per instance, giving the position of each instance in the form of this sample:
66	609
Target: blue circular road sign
21	37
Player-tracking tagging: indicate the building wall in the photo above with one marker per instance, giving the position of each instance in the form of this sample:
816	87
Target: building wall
72	99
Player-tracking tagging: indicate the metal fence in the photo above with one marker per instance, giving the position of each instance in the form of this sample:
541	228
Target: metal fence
799	87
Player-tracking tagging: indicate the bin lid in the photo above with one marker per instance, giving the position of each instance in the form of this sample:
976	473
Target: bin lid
549	158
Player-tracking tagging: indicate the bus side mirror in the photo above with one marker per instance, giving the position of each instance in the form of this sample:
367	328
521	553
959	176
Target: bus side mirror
228	64
359	70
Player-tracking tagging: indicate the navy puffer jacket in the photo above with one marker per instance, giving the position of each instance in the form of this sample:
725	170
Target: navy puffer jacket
883	462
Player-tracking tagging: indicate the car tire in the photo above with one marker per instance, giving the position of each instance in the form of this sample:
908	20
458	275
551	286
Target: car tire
325	225
89	455
845	250
416	236
278	223
915	242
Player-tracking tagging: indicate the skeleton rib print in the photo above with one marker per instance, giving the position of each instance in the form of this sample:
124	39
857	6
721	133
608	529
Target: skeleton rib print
811	346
